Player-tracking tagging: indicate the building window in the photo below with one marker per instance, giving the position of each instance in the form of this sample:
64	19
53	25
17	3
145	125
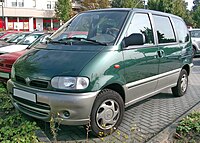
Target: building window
56	24
12	23
47	23
34	3
14	4
48	4
23	24
21	4
51	4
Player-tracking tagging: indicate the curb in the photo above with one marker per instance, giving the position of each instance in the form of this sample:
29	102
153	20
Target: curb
42	137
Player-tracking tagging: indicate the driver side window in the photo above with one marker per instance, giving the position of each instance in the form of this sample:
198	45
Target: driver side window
141	24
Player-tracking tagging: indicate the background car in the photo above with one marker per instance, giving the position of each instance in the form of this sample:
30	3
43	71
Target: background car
7	60
15	38
22	44
195	36
7	34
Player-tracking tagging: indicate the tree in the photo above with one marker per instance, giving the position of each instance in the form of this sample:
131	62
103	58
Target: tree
104	3
160	5
95	4
63	10
133	4
176	7
117	3
179	8
196	17
196	4
128	3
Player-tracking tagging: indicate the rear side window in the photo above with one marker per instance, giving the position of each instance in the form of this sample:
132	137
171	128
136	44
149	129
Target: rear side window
181	29
164	29
141	24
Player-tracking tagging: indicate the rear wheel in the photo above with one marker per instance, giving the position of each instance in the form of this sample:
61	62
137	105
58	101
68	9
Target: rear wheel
182	84
107	112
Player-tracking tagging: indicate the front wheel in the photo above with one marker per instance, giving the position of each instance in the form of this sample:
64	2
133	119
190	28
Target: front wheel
182	84
107	112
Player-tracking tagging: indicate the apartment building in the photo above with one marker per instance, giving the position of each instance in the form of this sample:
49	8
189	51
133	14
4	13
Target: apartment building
27	15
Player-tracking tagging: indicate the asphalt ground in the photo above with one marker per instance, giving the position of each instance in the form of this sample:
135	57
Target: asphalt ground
142	122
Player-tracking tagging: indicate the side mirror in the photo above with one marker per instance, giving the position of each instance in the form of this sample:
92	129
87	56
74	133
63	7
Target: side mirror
134	39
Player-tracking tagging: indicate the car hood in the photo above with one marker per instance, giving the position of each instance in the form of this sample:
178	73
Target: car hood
47	63
13	48
11	57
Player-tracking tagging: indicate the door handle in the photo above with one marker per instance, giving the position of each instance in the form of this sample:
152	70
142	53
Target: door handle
160	53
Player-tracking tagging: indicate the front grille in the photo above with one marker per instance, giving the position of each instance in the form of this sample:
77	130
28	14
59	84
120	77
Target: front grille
20	79
32	83
38	109
40	84
1	65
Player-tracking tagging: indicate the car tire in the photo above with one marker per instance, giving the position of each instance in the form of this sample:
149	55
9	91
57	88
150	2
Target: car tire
107	113
182	84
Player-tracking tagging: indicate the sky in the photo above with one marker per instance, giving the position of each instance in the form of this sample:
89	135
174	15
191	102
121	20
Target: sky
190	4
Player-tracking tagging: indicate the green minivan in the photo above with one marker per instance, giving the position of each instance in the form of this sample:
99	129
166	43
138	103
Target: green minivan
113	59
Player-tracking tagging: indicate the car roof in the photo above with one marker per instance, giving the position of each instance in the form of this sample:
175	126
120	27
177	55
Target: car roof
135	10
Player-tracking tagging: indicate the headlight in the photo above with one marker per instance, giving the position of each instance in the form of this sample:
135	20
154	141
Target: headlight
12	72
70	83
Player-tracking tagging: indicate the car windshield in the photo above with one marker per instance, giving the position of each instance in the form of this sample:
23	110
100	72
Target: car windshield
29	39
41	40
195	33
8	36
17	38
100	27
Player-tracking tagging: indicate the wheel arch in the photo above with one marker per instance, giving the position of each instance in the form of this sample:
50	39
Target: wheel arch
117	88
194	46
187	68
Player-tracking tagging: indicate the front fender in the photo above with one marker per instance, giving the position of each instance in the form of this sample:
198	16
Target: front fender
106	80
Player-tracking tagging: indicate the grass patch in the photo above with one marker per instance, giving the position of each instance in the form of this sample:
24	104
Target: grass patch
188	129
13	126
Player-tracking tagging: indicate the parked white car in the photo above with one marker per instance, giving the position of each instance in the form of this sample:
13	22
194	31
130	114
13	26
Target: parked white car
21	45
195	36
12	48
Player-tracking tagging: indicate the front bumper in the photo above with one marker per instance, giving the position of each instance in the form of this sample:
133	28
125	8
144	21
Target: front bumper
49	103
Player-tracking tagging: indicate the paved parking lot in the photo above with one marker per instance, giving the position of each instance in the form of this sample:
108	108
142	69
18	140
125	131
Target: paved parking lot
143	120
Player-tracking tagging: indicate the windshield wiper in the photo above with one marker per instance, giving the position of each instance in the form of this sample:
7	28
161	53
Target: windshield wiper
85	39
59	42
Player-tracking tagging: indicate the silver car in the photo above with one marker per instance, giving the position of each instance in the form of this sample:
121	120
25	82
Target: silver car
195	36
